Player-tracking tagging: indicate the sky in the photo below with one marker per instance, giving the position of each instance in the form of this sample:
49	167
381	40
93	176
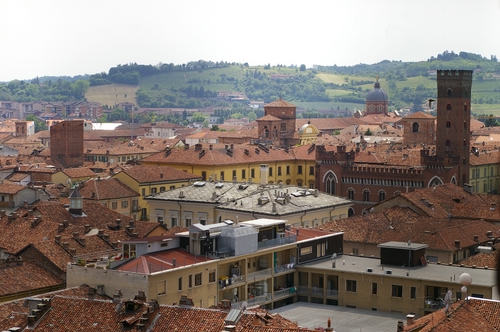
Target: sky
69	37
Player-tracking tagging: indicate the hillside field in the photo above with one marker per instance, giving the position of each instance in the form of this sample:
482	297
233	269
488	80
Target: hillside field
112	94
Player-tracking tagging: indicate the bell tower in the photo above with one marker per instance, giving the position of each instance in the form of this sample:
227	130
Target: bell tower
453	120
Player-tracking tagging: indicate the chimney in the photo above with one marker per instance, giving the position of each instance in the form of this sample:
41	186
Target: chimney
100	232
329	327
457	243
118	222
186	146
210	147
25	204
65	223
58	239
131	224
410	319
75	235
401	326
87	228
263	173
476	238
105	237
141	296
81	241
37	308
174	262
92	293
65	245
100	289
117	296
60	228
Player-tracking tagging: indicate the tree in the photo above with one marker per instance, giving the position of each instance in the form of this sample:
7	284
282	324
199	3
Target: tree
302	67
368	132
39	124
252	116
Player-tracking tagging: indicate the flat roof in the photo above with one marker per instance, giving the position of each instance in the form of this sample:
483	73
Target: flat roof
430	272
402	245
263	222
343	319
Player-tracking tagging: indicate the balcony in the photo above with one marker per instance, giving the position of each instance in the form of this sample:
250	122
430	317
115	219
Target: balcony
259	274
277	242
285	292
136	208
317	291
234	281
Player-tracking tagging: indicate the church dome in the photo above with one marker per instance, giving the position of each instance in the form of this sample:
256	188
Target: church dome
308	128
377	94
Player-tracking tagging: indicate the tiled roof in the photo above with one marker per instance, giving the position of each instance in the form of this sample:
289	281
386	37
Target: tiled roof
464	316
269	117
485	158
78	172
397	223
106	189
27	276
219	155
8	187
482	260
325	124
17	176
419	115
279	103
145	174
450	199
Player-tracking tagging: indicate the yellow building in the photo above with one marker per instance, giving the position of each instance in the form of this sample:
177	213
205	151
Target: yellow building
72	176
241	163
113	194
208	202
252	263
151	180
485	172
379	285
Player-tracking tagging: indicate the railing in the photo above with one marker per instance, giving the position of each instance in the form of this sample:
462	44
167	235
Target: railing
317	291
277	242
136	208
332	292
428	304
259	274
284	293
253	301
284	268
235	281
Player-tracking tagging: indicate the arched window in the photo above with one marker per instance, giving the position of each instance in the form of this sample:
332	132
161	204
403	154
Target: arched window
448	124
415	127
265	131
330	184
448	142
366	195
275	132
449	92
397	193
448	107
381	195
350	193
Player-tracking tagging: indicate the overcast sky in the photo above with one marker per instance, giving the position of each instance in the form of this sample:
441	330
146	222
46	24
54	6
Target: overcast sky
66	37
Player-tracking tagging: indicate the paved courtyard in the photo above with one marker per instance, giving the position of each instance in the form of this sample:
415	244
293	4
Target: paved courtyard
344	319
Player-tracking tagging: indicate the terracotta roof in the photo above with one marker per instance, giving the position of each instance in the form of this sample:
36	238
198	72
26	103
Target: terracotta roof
279	103
485	158
78	172
419	115
464	316
219	155
325	124
8	187
145	174
27	276
269	117
396	223
106	189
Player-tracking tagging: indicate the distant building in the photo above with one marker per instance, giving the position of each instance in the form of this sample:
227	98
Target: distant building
66	143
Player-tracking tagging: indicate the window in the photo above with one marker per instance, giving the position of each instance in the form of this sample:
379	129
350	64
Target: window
279	170
350	286
243	174
162	287
124	204
448	107
204	176
128	250
234	175
288	170
350	194
162	189
330	184
222	176
270	171
415	127
143	192
190	281
448	124
299	169
159	219
179	286
374	288
153	190
187	221
397	291
381	195
211	276
413	293
114	205
197	279
283	126
306	250
173	221
252	173
366	195
172	187
311	170
355	251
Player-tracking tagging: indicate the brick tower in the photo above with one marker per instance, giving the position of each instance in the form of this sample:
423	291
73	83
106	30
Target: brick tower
453	120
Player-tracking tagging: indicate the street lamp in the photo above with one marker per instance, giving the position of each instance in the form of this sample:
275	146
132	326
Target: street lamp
465	280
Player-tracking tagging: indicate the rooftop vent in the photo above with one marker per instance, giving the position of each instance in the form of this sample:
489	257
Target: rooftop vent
199	183
263	200
219	185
